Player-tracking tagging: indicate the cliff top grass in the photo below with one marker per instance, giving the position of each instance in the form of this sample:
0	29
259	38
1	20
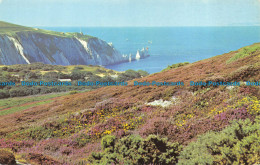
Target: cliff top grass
11	29
45	68
7	28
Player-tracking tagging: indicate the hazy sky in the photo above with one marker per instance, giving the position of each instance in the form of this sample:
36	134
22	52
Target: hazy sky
131	12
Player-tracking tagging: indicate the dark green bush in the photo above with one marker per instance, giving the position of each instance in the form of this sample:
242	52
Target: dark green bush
51	76
108	141
136	150
236	144
129	75
108	79
143	73
4	94
73	92
175	66
78	68
4	68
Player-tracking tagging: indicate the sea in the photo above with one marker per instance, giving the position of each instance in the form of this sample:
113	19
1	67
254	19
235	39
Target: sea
170	45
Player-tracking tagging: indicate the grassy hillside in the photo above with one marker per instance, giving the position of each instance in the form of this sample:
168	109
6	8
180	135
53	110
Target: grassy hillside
200	125
13	29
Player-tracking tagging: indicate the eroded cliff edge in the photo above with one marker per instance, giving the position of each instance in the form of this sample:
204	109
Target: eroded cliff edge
31	45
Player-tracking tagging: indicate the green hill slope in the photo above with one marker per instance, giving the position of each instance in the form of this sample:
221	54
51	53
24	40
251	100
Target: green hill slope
12	29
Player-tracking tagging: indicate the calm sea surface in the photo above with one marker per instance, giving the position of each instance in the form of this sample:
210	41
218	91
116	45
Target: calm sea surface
169	45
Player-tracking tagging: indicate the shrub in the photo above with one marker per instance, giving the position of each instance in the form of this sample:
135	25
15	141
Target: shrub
22	91
108	79
6	157
128	75
78	68
108	141
4	94
136	150
175	66
51	76
143	73
4	68
236	144
73	92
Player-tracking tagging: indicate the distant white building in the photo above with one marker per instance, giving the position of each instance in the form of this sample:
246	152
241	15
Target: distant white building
64	80
114	76
16	75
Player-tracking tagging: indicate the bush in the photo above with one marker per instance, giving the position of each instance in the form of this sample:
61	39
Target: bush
4	94
143	73
73	92
128	75
175	66
108	141
236	144
21	91
78	68
49	76
7	157
107	79
136	150
4	68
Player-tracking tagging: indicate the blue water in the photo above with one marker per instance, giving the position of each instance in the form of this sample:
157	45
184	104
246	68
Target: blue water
171	44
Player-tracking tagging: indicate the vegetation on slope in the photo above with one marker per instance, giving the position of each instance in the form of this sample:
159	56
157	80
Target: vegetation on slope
236	144
136	150
175	66
6	28
244	52
71	128
13	29
12	105
42	72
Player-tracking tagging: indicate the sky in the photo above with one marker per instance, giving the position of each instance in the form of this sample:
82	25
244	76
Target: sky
131	13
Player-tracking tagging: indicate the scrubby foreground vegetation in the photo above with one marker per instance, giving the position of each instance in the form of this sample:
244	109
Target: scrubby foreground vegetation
117	125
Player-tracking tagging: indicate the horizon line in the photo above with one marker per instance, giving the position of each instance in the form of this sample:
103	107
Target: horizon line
145	26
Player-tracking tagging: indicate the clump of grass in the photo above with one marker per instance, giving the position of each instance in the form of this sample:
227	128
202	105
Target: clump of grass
175	66
246	51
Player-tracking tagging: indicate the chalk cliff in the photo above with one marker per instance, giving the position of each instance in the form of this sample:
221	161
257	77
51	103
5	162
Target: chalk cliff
35	45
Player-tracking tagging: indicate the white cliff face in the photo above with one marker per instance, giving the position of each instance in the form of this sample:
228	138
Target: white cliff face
85	45
30	47
19	48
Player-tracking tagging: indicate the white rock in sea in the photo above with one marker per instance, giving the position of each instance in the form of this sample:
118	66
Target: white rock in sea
130	57
137	57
